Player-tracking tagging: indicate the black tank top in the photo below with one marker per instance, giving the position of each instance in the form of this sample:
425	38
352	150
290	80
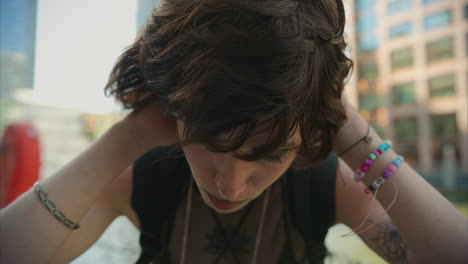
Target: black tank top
160	185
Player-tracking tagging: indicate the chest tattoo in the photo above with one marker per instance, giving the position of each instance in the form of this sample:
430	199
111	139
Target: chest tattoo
225	239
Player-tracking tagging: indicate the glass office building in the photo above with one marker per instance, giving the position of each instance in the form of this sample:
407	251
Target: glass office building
17	44
411	80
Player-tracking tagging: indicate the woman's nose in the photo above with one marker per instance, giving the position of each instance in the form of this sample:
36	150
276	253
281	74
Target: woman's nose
231	178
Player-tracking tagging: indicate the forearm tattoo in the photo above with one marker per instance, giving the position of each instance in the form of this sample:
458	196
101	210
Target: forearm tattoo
389	243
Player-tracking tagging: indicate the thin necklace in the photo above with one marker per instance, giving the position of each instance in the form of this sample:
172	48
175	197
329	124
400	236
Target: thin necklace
186	221
236	230
188	208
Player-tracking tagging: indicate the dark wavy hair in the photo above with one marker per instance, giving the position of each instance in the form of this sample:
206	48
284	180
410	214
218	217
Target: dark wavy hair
241	67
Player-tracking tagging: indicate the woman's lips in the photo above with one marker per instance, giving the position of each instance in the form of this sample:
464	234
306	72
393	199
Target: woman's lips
222	204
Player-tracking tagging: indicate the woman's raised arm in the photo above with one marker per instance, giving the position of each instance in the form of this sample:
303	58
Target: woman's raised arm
31	234
430	226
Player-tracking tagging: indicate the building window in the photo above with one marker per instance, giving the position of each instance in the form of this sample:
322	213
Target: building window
406	128
406	136
368	41
368	71
400	30
445	147
402	58
366	28
366	23
440	49
365	4
398	6
370	102
438	19
428	2
444	125
442	86
403	93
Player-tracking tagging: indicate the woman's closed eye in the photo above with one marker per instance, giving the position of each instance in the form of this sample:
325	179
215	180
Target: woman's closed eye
273	158
276	157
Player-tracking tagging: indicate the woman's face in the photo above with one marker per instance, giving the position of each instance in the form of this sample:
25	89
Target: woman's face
226	183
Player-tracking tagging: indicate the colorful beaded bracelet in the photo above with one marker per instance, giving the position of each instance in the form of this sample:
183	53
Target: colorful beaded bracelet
361	172
388	173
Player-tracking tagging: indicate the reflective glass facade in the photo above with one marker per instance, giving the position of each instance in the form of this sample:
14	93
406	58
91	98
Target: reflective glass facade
402	29
428	2
402	58
403	93
438	19
413	71
368	71
406	128
398	6
370	102
17	44
439	49
442	86
444	125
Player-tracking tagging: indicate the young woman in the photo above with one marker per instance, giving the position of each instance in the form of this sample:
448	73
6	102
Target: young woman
243	93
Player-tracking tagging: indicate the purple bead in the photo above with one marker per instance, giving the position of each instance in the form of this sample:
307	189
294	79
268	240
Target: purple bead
387	174
368	162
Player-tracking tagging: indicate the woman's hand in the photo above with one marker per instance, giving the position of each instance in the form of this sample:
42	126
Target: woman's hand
150	127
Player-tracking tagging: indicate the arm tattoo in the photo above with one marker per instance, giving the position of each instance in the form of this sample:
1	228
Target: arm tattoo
389	243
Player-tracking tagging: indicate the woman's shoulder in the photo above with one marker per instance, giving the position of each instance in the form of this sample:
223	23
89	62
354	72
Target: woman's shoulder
156	176
141	179
157	162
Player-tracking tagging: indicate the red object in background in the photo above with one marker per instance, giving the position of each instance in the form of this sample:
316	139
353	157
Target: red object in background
19	161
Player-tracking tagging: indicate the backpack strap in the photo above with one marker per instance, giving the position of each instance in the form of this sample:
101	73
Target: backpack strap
157	191
311	199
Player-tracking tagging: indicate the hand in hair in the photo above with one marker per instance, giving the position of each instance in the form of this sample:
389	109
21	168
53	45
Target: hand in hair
151	126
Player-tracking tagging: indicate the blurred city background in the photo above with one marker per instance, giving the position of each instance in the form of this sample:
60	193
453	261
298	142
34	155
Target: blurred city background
409	81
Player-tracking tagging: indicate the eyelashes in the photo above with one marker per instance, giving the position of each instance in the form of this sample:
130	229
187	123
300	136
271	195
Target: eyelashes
273	159
276	157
